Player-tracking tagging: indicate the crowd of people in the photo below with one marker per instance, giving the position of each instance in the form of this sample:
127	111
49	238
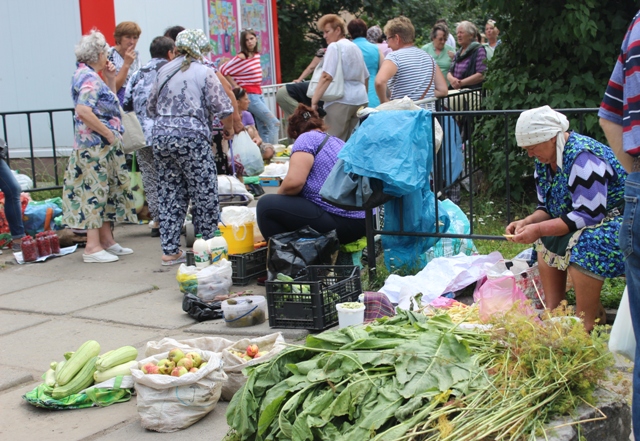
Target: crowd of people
587	192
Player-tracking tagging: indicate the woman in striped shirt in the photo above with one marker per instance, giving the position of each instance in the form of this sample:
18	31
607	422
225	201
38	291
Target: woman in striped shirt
407	71
244	71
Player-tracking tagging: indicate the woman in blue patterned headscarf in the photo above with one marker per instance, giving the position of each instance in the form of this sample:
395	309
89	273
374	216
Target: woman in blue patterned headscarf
187	100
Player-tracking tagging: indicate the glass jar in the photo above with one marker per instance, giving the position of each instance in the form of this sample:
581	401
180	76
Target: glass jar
29	249
44	244
54	240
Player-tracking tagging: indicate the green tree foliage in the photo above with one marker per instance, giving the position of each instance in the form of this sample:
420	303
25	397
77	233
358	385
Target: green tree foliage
559	53
299	37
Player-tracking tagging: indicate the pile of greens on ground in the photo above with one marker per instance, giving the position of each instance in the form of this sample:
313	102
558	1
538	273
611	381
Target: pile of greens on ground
416	378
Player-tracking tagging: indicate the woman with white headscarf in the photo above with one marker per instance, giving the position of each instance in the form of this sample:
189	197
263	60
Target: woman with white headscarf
580	186
186	103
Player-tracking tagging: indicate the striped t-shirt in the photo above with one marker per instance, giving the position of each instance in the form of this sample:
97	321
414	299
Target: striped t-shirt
246	73
415	70
621	102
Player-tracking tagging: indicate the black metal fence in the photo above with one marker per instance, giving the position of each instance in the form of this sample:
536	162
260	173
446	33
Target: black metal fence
37	129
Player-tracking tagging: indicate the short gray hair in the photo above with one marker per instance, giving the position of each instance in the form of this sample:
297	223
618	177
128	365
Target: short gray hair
90	47
468	27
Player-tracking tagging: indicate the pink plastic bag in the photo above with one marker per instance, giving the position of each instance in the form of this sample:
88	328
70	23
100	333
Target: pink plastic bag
499	295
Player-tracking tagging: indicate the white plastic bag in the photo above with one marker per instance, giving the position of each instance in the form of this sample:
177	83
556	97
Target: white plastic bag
25	182
232	185
248	154
233	365
440	276
212	280
237	216
622	340
168	404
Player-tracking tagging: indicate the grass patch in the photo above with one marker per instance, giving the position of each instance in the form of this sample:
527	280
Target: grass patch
43	195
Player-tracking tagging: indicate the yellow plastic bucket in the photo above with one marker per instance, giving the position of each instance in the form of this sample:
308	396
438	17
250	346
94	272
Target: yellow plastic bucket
239	241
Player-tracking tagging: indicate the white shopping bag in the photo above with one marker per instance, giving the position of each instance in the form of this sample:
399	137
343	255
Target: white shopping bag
622	339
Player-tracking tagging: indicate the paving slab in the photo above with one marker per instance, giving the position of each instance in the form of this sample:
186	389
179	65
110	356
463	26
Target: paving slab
212	427
219	327
12	377
156	309
20	420
12	282
41	344
14	321
65	296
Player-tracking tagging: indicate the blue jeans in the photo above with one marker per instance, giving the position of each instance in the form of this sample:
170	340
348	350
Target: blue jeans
12	209
266	123
630	245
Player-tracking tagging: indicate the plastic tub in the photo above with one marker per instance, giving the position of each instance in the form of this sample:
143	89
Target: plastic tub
248	311
350	316
239	241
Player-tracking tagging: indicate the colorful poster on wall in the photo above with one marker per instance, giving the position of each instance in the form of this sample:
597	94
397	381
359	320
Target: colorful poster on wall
227	18
223	30
254	14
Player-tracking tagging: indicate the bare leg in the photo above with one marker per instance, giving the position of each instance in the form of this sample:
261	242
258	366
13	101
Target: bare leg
99	239
588	304
106	235
93	241
554	283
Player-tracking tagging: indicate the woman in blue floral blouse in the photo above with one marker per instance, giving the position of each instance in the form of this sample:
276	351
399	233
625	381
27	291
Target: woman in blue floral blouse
96	184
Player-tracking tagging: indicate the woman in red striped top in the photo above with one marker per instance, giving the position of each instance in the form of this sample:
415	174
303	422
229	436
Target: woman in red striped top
244	71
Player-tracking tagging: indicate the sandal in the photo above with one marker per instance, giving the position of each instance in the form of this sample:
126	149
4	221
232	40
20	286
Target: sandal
180	259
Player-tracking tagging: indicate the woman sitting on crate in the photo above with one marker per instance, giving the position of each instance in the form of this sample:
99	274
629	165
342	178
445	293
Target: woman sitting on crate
580	186
298	201
267	150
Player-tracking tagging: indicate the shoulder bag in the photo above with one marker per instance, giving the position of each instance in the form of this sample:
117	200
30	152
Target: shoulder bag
133	138
335	90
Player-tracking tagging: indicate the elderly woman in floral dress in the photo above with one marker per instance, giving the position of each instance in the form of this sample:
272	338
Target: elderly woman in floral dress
96	184
186	102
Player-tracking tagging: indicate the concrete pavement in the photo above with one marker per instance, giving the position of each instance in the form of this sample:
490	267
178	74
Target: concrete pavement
49	308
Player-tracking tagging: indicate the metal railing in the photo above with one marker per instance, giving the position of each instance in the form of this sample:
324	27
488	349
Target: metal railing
37	138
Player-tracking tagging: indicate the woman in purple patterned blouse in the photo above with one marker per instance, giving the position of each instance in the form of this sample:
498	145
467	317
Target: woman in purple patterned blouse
469	65
298	201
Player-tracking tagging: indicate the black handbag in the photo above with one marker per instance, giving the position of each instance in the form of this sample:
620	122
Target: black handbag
352	192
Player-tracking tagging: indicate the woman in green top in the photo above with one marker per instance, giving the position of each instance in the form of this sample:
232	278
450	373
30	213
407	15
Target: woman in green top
441	52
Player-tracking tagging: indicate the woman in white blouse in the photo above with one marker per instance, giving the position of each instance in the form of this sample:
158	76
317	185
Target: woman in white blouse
341	116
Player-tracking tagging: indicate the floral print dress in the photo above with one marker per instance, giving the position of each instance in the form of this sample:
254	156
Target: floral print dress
96	182
587	193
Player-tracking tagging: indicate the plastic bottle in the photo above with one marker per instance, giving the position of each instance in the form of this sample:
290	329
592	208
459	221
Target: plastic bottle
29	249
218	247
201	252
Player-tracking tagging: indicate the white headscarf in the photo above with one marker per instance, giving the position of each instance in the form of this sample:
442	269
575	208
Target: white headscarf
542	124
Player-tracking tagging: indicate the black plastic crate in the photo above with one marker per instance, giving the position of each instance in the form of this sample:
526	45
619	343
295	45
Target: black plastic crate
248	266
309	302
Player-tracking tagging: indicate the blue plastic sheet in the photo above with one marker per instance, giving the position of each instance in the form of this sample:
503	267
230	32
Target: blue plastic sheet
418	214
451	149
36	213
395	147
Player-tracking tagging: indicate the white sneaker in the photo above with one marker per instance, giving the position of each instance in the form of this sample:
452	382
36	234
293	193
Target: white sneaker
99	257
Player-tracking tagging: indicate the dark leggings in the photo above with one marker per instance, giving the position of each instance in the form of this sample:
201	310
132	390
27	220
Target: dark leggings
279	214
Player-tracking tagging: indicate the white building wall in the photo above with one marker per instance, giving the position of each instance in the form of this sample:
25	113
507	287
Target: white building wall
38	38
